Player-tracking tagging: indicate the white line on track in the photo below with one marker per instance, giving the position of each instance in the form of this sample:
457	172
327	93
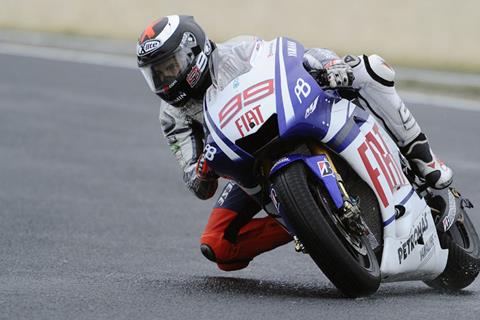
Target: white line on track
118	61
440	101
69	55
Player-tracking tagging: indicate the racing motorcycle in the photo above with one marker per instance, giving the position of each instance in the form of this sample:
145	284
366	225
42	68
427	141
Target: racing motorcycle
330	174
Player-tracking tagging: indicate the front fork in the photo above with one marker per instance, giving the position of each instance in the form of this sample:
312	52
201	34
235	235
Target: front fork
320	163
318	149
350	213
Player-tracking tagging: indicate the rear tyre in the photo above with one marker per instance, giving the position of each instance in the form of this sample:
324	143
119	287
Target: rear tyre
347	260
463	263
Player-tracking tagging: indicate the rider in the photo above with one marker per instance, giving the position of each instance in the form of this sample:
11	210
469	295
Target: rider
173	55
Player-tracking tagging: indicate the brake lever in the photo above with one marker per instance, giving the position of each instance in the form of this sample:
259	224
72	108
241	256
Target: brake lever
320	76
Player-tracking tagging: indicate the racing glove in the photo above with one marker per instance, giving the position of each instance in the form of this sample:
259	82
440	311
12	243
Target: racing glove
203	171
202	180
339	73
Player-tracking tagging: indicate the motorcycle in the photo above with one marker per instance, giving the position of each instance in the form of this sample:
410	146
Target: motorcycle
330	174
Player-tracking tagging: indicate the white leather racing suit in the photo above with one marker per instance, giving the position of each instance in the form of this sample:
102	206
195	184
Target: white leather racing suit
183	128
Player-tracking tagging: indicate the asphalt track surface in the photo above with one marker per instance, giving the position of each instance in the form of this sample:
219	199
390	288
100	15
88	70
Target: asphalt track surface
95	222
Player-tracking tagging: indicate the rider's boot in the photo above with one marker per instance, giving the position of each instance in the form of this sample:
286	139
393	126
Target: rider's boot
425	164
374	80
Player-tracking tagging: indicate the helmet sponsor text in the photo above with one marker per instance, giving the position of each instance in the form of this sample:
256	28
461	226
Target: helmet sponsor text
148	47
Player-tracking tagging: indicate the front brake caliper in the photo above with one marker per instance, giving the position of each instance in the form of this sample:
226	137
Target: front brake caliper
352	219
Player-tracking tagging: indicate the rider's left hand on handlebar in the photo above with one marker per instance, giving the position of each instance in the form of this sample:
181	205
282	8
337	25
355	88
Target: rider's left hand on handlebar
339	73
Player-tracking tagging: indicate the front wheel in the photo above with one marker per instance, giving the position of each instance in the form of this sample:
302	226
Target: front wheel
346	259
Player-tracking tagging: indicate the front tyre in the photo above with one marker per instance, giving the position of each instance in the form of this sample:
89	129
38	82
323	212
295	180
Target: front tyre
346	259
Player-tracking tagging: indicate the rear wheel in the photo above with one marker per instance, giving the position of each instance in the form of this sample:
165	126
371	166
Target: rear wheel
463	263
346	259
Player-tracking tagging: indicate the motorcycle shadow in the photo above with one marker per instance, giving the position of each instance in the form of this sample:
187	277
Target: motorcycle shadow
318	290
260	288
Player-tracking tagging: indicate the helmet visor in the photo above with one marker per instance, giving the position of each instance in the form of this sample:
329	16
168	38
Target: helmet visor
161	74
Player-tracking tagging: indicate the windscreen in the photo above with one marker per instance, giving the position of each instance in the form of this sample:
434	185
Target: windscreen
231	59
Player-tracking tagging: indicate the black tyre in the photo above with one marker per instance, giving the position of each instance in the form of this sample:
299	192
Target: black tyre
463	263
347	260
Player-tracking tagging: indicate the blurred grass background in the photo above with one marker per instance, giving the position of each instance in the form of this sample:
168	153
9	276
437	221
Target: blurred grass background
437	34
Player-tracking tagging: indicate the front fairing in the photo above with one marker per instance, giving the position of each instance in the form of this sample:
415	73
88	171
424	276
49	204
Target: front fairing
276	85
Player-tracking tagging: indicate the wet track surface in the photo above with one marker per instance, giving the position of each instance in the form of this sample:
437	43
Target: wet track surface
95	222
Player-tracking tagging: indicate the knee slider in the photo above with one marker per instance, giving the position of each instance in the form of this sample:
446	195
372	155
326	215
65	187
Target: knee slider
208	252
379	70
219	251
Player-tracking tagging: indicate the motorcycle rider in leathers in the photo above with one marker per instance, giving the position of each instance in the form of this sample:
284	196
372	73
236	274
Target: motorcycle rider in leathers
173	55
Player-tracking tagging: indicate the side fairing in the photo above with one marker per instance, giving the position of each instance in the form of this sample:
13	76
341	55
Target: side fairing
411	246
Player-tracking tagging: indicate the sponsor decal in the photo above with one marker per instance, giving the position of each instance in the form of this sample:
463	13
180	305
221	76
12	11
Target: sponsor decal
427	248
236	83
381	165
225	194
170	86
249	96
249	120
291	49
274	197
180	97
148	47
311	108
280	161
270	50
209	152
408	246
194	74
452	211
302	89
325	168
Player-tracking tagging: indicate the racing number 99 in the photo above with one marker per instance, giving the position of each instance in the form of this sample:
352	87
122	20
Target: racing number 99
247	97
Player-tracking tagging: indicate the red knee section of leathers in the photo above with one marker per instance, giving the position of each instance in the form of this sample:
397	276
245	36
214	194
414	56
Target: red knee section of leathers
257	236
